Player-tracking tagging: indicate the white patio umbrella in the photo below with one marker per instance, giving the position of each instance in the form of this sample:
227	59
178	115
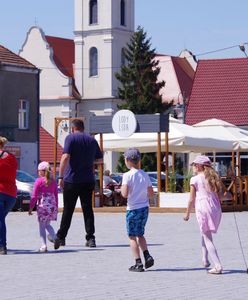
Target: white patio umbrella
221	130
182	138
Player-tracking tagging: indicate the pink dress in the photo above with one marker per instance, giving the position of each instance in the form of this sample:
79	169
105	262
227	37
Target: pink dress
207	205
46	198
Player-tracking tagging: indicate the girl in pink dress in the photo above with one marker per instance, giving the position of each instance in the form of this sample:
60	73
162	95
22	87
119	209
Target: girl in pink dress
45	196
204	190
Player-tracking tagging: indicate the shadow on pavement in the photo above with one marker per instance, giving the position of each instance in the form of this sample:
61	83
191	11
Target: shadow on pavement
126	245
225	272
176	270
17	252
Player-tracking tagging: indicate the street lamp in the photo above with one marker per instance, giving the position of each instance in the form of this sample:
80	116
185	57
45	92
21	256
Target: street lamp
242	48
180	108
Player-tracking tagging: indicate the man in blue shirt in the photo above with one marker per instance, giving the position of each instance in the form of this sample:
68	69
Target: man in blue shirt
76	179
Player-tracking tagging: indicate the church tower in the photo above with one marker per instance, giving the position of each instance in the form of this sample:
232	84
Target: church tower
102	29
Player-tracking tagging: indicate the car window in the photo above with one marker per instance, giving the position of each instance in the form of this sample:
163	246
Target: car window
153	180
24	177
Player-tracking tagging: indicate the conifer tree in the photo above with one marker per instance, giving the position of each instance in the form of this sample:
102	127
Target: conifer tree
140	88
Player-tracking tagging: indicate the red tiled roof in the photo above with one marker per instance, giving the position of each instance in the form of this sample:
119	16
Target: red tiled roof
220	90
10	58
63	54
47	147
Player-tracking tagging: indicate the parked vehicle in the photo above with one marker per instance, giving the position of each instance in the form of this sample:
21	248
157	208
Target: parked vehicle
179	180
117	177
25	184
154	183
22	201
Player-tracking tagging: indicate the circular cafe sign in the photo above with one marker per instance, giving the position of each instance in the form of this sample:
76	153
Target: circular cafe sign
124	123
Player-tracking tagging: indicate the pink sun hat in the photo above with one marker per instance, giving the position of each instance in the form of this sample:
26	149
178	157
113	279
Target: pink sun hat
202	160
43	166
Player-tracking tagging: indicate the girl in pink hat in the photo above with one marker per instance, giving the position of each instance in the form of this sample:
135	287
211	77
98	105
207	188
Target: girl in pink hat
204	189
45	196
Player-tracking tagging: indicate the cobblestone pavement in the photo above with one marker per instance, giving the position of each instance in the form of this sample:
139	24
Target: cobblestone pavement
77	272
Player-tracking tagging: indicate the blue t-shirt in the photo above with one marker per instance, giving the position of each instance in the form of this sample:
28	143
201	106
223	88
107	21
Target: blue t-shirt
83	150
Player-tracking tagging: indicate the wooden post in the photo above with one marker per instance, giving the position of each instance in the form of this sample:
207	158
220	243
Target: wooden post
56	123
240	185
246	191
233	163
173	163
159	164
166	162
101	172
239	164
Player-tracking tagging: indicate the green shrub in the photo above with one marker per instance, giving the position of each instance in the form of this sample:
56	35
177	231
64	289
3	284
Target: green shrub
186	181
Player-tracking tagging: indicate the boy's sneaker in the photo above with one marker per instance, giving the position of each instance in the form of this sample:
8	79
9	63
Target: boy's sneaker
149	262
137	268
91	243
62	242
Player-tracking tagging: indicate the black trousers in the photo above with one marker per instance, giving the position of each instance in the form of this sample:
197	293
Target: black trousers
71	192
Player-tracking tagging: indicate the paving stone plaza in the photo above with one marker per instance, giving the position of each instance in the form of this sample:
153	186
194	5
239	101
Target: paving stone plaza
77	272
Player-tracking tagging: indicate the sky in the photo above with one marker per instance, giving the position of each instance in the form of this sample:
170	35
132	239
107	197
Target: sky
208	28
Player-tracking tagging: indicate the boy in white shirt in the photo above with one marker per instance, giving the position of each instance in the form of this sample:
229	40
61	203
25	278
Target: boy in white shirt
137	188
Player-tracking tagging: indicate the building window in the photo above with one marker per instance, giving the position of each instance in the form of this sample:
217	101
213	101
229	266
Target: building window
122	6
23	114
93	11
93	62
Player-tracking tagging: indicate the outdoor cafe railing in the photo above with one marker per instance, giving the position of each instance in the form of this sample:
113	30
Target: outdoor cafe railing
239	191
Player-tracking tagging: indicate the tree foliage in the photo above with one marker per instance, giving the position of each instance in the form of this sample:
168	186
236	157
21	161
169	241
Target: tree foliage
140	88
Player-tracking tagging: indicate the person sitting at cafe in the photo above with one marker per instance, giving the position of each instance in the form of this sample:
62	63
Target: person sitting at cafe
108	187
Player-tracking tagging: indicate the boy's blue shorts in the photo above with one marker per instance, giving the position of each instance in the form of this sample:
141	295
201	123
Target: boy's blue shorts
136	221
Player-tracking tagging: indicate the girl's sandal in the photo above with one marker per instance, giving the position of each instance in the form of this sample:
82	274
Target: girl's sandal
215	271
206	264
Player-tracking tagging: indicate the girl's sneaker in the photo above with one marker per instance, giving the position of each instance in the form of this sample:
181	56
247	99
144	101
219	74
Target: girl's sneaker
50	239
43	249
215	271
206	264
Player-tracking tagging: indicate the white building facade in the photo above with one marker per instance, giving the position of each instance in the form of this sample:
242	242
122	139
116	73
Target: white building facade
101	30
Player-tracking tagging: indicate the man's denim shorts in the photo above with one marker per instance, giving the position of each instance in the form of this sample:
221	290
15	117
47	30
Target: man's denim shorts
136	221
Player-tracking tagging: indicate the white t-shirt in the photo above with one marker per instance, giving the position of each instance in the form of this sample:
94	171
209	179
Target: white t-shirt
137	182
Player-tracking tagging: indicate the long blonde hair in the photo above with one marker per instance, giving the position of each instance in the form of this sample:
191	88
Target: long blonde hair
213	179
3	141
48	176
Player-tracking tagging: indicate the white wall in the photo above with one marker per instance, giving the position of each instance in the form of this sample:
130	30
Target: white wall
53	84
109	37
28	159
55	87
51	109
